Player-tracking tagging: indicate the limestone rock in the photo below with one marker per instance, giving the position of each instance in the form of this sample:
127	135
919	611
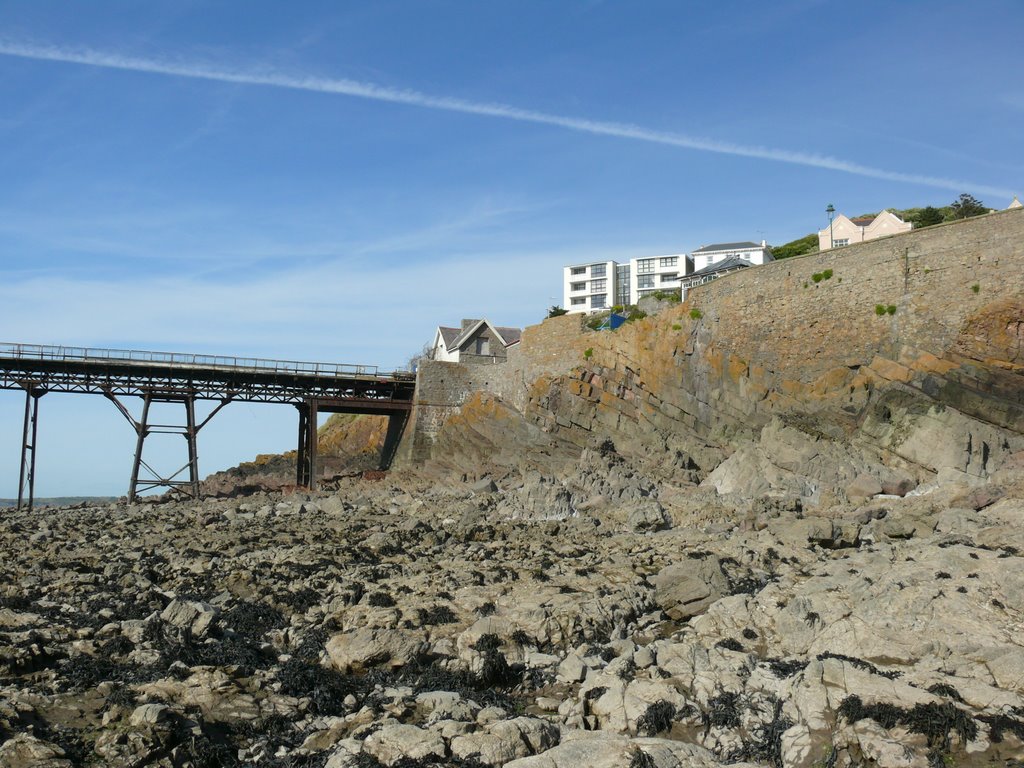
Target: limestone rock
399	741
688	587
647	516
506	740
362	649
604	750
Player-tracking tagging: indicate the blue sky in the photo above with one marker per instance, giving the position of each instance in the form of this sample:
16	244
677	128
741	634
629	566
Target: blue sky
331	180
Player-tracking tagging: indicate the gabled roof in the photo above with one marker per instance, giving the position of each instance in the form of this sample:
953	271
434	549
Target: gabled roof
863	221
448	335
733	262
727	247
510	335
507	336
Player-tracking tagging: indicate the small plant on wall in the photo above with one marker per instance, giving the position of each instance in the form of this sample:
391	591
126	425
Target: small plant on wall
976	287
588	353
696	314
819	276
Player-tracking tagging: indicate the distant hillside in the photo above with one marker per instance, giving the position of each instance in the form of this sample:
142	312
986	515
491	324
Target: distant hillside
807	244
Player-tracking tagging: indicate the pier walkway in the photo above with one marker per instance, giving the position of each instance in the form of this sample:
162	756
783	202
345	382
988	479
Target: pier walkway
165	377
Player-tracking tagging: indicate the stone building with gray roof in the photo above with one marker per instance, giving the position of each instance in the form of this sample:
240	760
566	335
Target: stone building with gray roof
475	341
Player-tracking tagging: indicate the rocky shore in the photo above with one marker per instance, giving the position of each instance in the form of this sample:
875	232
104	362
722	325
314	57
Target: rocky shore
603	617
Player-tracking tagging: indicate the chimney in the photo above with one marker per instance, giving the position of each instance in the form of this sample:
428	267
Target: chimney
764	243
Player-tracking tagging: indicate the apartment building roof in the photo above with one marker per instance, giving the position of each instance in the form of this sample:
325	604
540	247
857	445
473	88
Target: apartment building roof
732	262
726	247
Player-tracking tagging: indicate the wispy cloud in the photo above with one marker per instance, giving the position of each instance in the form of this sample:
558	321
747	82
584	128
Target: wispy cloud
374	92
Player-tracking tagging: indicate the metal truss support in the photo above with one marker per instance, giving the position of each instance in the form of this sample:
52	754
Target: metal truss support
29	435
305	459
143	429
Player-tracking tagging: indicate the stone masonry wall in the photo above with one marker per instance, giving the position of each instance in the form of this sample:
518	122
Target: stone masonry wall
441	389
805	328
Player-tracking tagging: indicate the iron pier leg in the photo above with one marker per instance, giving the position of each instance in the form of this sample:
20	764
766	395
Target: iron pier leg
305	461
301	461
142	427
193	453
28	448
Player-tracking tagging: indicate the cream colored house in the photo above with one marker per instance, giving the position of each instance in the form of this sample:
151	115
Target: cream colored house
845	231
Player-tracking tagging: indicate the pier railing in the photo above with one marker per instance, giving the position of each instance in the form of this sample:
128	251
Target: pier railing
180	360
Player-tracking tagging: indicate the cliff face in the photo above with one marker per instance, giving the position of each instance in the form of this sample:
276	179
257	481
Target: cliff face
899	359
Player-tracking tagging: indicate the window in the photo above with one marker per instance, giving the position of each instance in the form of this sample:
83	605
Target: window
644	266
641	294
600	301
669	277
597	270
645	281
577	300
578	286
578	271
598	285
838	243
482	346
668	261
622	284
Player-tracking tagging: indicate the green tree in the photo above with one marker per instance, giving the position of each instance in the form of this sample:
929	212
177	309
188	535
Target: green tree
807	244
967	206
928	217
557	311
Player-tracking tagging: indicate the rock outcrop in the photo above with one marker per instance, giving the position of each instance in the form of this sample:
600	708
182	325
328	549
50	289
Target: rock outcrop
347	443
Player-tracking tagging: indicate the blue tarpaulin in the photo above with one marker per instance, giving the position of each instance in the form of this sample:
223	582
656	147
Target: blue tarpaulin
613	322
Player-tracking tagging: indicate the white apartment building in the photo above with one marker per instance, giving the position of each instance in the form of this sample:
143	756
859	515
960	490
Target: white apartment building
749	252
603	284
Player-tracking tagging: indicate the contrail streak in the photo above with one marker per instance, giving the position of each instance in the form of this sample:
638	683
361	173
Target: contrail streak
345	87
